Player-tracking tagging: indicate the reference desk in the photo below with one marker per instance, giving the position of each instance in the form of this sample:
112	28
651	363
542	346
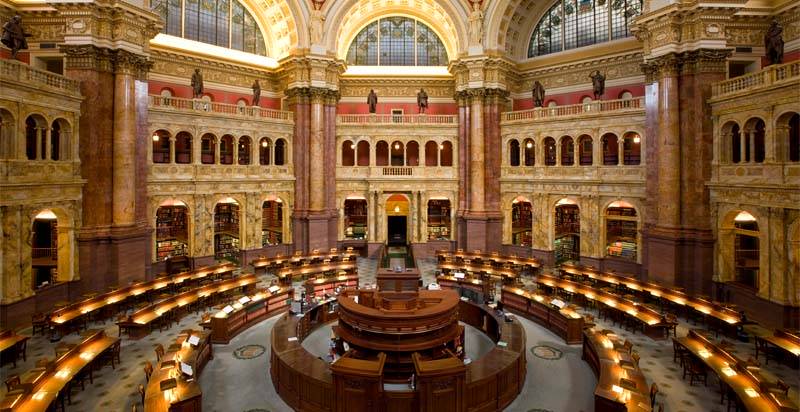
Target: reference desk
140	322
621	385
710	310
65	318
752	389
247	311
171	390
565	321
42	386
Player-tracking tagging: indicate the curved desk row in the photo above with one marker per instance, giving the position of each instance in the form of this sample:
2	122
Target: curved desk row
493	258
298	259
171	390
621	385
307	383
488	269
286	275
247	311
565	322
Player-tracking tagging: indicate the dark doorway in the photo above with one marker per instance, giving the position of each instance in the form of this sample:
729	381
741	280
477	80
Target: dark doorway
397	230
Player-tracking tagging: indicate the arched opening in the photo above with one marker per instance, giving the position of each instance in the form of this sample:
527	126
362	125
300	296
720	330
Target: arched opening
161	146
172	230
8	135
280	152
549	151
567	241
382	154
208	149
397	154
585	150
754	141
35	137
244	150
631	149
226	150
226	229
794	138
439	221
362	153
55	140
431	153
622	230
44	249
530	152
610	149
397	210
625	95
183	148
412	154
272	222
396	41
263	151
348	153
732	132
521	222
355	218
567	151
446	155
513	152
746	250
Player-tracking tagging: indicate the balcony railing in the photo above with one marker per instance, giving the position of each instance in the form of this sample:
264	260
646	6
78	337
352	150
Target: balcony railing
197	105
581	109
373	118
14	71
398	171
772	75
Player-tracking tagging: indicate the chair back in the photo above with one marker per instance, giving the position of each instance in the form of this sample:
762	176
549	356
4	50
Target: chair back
159	351
148	370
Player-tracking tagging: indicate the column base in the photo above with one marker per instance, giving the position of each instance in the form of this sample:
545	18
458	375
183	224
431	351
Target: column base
482	231
679	257
315	230
114	256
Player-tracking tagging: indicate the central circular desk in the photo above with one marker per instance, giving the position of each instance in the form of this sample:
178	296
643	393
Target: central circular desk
356	382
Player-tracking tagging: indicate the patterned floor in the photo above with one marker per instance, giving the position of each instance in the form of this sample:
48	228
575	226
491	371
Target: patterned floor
237	379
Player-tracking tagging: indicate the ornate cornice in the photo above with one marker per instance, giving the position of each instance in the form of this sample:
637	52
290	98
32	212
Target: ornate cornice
88	57
130	63
691	62
310	71
614	67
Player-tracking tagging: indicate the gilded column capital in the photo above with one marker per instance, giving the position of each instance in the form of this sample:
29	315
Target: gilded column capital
705	61
663	66
297	95
126	62
88	57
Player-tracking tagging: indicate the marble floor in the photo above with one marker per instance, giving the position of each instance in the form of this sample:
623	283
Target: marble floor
237	379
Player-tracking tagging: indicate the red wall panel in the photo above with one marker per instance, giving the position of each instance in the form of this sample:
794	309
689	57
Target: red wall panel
219	96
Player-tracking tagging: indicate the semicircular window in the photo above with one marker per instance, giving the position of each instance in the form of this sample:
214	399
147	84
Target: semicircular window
570	24
224	23
397	41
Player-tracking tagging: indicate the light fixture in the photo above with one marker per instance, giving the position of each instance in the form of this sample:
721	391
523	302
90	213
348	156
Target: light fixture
352	146
397	146
264	143
637	139
529	145
156	137
397	209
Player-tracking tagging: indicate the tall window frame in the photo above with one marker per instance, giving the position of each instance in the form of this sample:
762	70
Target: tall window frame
377	44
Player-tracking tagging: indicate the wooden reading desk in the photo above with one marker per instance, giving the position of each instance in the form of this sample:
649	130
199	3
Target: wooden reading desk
140	322
493	258
184	393
11	344
320	286
41	386
621	385
746	382
564	321
247	311
481	268
786	341
298	259
286	275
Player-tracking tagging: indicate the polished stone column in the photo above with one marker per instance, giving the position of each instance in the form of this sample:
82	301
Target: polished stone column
669	166
476	154
317	152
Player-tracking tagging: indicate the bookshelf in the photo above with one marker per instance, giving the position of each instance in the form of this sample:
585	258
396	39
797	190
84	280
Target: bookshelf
621	232
226	246
271	223
171	232
355	219
226	219
567	248
439	219
567	220
521	221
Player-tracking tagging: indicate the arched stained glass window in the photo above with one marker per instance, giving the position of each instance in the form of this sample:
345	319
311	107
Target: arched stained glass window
224	23
397	41
576	23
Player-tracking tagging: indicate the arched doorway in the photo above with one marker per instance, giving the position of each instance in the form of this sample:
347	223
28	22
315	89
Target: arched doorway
44	249
226	229
521	222
397	220
355	218
746	254
439	227
272	222
567	240
172	230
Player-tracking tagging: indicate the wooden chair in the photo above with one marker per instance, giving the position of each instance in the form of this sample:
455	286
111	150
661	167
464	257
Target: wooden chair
780	387
628	346
113	353
12	382
679	352
159	351
39	322
141	393
653	393
635	357
672	324
762	346
696	370
62	348
148	370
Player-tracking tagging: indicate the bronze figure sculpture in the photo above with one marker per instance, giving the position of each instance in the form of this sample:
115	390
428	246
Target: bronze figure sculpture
538	94
372	101
773	42
598	84
256	93
14	36
422	100
197	84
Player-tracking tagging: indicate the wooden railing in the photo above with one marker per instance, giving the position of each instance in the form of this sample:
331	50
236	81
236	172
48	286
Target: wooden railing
197	105
591	108
396	119
775	74
15	71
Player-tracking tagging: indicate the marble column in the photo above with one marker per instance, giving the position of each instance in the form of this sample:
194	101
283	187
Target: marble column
669	163
476	154
171	149
124	146
317	153
621	150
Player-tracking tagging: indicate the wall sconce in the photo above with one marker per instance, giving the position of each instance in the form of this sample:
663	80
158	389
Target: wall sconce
156	137
637	139
397	209
529	145
264	143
